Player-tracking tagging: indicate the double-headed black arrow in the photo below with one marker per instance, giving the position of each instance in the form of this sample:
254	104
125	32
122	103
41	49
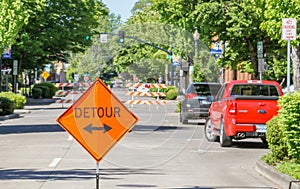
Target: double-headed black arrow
90	128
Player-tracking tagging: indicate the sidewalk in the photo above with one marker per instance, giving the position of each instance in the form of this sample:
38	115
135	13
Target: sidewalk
34	105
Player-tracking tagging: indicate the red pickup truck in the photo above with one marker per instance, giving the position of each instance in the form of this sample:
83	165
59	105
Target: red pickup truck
241	109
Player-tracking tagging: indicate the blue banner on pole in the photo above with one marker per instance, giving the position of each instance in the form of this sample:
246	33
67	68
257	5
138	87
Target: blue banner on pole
7	53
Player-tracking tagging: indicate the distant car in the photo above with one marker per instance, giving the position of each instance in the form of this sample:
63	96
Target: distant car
197	100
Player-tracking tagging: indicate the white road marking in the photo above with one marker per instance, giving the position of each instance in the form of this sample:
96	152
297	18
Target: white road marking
70	138
210	151
54	162
194	139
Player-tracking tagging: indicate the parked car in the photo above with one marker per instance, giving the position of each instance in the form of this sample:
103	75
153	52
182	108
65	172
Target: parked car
197	100
241	110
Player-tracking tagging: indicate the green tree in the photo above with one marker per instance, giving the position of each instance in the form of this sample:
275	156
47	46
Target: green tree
13	16
97	59
236	22
274	12
57	29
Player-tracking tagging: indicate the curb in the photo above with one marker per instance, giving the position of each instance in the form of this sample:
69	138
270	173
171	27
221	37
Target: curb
282	180
16	114
10	116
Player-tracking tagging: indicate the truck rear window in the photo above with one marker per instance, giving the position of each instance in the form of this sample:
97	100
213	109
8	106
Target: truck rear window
204	89
254	90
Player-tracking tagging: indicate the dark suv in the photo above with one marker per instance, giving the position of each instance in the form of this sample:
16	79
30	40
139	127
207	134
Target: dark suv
197	100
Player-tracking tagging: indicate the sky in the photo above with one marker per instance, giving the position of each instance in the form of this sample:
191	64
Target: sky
120	7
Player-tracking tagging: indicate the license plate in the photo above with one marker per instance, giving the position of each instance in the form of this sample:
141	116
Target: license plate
261	128
204	102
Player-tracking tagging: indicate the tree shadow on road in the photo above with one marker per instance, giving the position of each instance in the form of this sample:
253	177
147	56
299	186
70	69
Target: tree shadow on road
71	174
18	129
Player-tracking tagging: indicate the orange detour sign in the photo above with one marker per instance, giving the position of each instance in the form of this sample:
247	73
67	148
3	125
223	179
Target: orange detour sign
97	120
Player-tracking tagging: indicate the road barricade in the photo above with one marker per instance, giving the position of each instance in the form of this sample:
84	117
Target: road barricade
140	92
64	96
150	102
73	85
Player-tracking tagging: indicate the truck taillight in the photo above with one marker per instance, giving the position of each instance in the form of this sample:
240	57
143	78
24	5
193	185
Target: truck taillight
190	96
232	108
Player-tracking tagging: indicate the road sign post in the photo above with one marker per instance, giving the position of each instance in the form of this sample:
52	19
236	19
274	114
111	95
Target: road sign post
97	121
289	32
260	51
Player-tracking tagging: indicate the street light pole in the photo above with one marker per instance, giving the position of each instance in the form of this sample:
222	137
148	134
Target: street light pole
196	36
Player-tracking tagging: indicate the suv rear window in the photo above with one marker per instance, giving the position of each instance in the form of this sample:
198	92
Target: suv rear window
254	90
204	89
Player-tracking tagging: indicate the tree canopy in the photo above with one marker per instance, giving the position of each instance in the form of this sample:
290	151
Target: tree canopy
13	16
55	30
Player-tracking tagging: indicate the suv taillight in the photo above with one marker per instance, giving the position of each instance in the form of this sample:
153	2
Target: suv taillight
190	96
232	108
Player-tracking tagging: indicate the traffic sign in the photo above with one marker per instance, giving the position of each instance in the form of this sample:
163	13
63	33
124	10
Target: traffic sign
289	29
260	49
45	75
97	120
15	67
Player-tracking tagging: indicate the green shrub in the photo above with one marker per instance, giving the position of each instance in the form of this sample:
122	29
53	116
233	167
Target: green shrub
36	92
276	140
48	89
178	106
6	106
283	131
45	91
290	118
172	94
291	168
18	100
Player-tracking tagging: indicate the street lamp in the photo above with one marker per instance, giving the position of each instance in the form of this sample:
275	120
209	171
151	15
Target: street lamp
196	36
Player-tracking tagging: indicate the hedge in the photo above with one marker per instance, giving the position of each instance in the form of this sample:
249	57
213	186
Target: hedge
19	101
171	92
283	130
48	90
6	106
290	115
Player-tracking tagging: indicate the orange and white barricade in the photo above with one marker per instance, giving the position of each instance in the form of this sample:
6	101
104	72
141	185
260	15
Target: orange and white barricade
146	85
66	93
78	84
63	101
145	94
151	94
149	102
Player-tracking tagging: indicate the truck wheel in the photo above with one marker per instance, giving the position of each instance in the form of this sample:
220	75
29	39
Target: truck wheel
225	141
264	140
208	130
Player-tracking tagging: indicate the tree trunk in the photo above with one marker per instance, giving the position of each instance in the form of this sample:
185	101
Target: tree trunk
295	56
253	58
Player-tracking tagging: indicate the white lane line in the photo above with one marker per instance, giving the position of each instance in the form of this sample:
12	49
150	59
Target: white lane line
54	162
210	151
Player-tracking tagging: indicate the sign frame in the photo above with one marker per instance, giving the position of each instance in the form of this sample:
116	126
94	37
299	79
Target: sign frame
289	29
90	135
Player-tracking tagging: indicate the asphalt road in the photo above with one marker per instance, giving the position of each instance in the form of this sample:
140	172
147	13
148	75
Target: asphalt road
160	153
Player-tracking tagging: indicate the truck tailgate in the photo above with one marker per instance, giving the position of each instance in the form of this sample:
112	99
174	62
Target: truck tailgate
254	110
